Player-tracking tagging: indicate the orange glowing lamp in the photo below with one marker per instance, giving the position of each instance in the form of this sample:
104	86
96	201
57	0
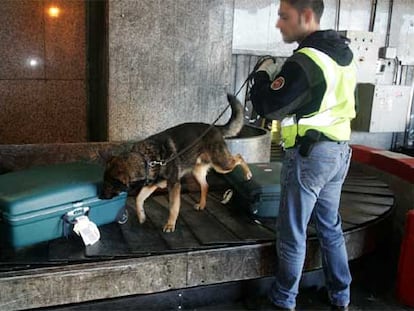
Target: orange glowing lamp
53	11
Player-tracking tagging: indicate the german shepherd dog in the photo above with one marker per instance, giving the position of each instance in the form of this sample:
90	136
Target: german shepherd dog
160	161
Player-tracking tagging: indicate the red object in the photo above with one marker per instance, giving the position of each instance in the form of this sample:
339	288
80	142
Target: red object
362	153
405	277
397	164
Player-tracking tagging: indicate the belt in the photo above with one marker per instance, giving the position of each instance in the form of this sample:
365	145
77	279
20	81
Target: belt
322	137
305	144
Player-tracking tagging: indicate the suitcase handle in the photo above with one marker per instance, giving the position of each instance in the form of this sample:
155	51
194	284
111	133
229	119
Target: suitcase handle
80	211
70	217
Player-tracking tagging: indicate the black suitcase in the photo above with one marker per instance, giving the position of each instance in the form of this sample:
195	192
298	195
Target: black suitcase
260	195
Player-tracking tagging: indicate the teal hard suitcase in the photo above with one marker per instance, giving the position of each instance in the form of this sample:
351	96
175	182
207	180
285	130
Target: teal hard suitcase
259	196
42	203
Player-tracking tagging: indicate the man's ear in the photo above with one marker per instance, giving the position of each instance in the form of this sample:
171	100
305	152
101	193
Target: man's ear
308	15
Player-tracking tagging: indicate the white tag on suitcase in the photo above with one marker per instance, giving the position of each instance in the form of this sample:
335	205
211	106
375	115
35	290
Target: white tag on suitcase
87	230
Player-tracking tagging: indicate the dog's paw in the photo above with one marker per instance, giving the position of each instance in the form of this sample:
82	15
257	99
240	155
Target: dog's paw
248	176
141	217
199	207
169	228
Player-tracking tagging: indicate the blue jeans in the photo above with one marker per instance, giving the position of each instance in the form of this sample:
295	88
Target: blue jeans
311	190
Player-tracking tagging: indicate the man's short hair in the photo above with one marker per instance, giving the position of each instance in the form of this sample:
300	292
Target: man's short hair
315	5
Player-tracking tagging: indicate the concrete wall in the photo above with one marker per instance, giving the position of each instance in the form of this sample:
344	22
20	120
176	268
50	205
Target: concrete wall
169	63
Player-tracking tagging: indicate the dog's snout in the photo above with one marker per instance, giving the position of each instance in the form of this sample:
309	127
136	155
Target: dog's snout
106	196
107	192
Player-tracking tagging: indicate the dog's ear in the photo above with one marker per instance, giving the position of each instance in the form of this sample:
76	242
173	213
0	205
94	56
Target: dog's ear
110	161
104	156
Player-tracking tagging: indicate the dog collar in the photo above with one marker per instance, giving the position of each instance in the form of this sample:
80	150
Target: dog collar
154	163
148	166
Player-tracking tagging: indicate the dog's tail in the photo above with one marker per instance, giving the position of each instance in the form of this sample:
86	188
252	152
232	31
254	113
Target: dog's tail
235	123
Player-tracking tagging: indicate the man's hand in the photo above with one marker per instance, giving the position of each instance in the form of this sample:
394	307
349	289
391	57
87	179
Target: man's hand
267	64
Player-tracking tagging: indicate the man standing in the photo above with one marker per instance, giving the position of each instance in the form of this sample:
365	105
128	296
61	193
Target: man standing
313	96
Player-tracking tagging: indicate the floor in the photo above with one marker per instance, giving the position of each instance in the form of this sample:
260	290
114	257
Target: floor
373	288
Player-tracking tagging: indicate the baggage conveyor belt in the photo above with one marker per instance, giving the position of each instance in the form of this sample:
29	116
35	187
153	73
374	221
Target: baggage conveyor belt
219	244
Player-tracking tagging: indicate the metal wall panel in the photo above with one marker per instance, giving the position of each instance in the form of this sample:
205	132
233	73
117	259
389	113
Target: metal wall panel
402	30
382	108
255	31
255	34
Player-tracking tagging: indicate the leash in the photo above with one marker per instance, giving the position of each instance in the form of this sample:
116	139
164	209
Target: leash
250	114
151	164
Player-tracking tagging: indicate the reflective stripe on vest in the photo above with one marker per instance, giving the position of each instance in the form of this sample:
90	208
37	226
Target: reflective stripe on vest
289	129
337	107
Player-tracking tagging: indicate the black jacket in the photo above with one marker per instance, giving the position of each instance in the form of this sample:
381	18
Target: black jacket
300	93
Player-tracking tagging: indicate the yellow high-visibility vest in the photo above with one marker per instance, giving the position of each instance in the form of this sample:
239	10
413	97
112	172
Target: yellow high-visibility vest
337	109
